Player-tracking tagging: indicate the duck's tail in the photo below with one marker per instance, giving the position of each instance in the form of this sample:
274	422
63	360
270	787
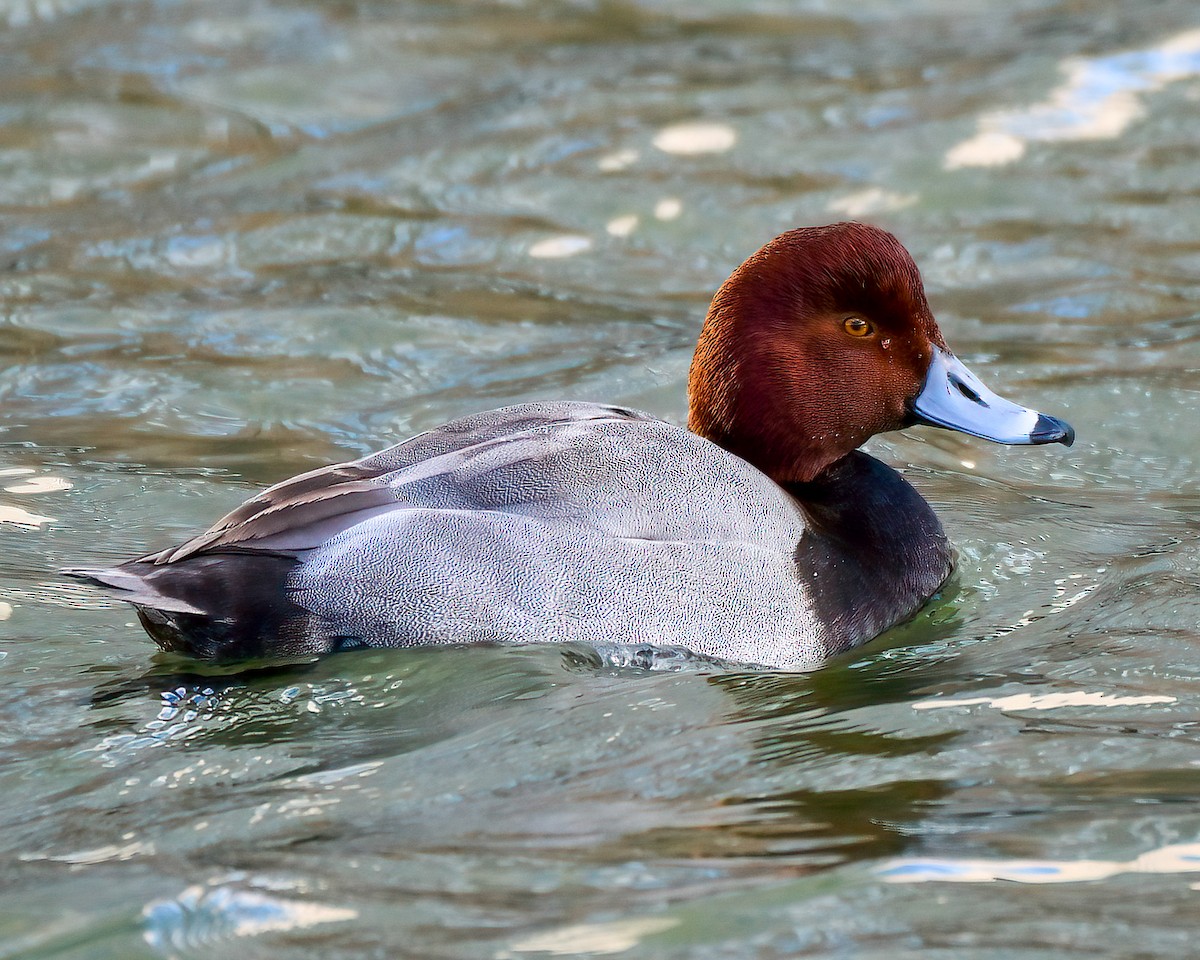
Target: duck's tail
224	606
134	586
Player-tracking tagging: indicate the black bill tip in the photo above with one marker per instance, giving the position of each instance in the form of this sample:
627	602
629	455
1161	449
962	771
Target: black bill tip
1052	430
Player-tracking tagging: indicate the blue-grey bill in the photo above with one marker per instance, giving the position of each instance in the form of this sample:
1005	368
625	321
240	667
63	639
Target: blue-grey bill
954	398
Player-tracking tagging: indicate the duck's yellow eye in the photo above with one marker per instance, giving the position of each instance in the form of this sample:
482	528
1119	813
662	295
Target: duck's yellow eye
858	327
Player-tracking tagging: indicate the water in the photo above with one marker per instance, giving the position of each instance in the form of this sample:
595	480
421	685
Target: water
241	240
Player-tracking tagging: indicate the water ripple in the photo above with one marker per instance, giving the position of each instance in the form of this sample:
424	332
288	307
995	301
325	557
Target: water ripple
202	918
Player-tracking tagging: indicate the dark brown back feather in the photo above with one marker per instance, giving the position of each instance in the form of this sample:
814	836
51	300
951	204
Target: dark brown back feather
306	500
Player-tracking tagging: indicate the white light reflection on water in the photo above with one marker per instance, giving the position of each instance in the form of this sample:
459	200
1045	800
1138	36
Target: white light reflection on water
693	139
553	248
40	485
872	200
617	161
622	226
1176	858
200	917
184	714
22	518
1045	701
108	853
1099	99
595	939
668	208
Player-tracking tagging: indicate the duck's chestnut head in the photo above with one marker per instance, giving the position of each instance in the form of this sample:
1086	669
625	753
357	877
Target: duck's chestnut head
824	338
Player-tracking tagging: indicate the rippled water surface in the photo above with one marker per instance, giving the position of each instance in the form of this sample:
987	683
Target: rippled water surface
244	239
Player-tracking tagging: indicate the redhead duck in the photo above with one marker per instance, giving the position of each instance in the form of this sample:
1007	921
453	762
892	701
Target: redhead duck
760	534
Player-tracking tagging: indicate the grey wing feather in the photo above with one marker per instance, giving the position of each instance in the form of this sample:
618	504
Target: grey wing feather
503	424
304	511
599	525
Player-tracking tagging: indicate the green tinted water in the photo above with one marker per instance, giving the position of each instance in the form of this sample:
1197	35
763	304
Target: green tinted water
243	240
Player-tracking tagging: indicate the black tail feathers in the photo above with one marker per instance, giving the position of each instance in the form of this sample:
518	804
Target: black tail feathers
219	606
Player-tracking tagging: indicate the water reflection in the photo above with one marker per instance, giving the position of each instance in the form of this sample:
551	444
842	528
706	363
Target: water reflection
242	241
1177	858
203	918
1098	100
693	139
1044	701
21	517
836	826
591	939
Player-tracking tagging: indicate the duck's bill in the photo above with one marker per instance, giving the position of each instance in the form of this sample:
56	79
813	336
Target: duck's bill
954	398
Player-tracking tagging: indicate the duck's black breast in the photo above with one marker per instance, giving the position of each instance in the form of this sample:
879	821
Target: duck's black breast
872	544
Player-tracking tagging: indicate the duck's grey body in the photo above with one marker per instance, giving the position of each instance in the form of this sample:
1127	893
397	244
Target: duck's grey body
549	522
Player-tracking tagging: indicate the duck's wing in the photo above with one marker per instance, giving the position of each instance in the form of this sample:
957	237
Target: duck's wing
609	528
541	521
306	510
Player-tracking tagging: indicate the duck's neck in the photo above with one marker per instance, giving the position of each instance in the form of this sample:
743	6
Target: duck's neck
746	396
873	545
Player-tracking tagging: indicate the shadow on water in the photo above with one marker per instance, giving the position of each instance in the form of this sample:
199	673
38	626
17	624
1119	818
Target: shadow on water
171	671
789	833
371	703
825	720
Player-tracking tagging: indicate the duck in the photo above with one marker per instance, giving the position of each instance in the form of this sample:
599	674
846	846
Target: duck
760	534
